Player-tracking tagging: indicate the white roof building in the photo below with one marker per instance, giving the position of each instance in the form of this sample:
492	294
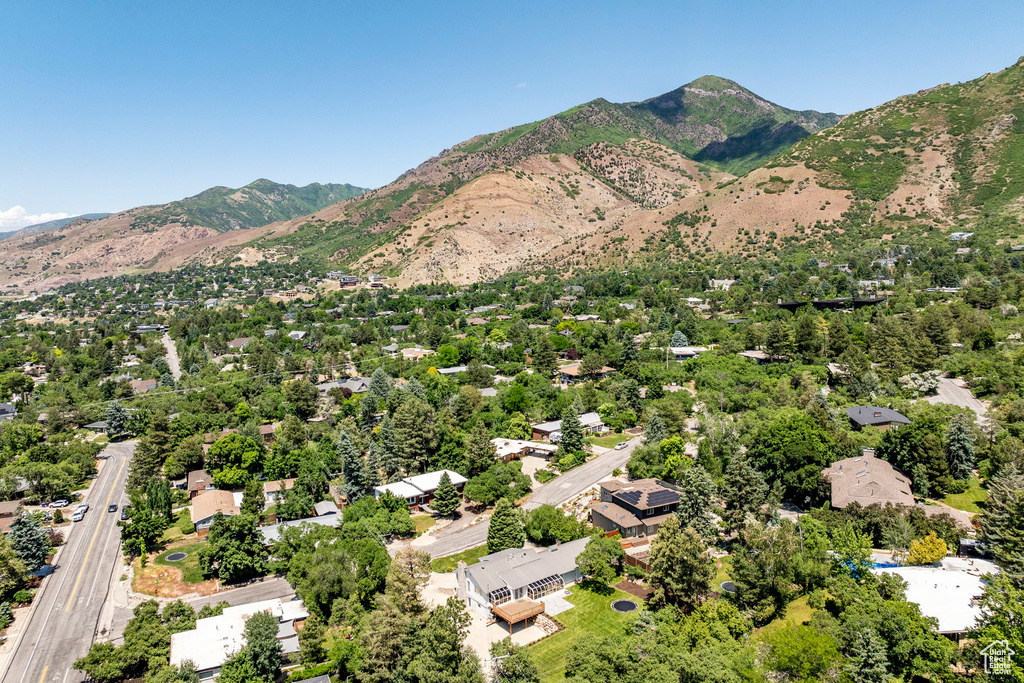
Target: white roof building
215	639
947	591
419	490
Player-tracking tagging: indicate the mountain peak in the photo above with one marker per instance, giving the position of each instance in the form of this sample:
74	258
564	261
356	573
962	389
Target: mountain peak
714	84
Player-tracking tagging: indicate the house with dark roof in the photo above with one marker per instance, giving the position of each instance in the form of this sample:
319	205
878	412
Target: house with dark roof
635	508
8	411
198	482
552	431
883	418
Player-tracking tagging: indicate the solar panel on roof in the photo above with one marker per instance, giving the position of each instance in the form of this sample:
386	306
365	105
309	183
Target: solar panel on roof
632	497
662	497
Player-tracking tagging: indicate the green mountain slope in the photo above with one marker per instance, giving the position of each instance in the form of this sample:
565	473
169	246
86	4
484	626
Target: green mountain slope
257	204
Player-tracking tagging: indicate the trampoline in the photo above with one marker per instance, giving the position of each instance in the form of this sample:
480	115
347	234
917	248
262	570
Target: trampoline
176	557
623	606
729	587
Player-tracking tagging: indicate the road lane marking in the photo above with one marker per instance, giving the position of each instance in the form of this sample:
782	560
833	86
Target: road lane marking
45	668
96	533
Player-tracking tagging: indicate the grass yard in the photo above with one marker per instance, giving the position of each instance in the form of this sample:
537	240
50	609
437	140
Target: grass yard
608	441
423	522
797	613
721	573
970	500
442	565
190	572
592	616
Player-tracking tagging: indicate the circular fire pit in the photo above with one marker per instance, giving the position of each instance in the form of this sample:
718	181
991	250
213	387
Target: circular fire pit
623	606
176	557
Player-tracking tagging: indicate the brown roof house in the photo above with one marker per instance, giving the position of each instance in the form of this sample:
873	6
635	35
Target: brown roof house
633	509
8	511
273	491
141	386
199	481
867	480
209	503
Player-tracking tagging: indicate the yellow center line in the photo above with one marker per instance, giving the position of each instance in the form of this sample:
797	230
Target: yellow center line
93	541
45	668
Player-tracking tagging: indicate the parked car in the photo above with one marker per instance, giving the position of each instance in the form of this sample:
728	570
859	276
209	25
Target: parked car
124	514
621	445
83	507
112	507
78	516
59	504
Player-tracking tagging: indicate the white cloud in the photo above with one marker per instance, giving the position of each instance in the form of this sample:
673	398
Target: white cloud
522	85
16	217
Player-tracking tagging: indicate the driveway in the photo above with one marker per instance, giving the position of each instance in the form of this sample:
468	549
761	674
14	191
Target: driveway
462	535
172	356
954	392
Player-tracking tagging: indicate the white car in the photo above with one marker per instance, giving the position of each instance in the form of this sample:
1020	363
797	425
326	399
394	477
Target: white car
621	445
78	516
82	507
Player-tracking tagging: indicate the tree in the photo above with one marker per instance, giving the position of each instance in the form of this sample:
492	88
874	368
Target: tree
117	418
696	490
353	468
807	338
680	568
777	340
852	551
1000	619
408	574
446	498
503	481
960	446
443	659
12	570
506	529
253	499
793	450
601	559
1002	525
867	662
678	339
481	453
302	395
262	645
927	550
516	400
234	549
29	541
548	524
380	384
744	492
518	427
390	454
655	431
234	459
763	570
572	431
801	653
897	537
544	358
311	641
515	665
415	433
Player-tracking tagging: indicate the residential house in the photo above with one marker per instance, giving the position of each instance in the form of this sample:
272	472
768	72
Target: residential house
267	432
297	335
214	640
209	503
8	411
325	508
238	343
419	490
511	449
512	582
570	374
8	513
141	386
761	357
199	481
271	533
416	353
273	491
633	509
210	303
883	418
682	353
552	431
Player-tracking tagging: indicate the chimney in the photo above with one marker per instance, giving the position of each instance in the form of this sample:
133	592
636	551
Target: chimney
460	581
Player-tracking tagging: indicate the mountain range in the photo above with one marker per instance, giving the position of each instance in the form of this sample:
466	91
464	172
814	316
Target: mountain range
707	168
37	228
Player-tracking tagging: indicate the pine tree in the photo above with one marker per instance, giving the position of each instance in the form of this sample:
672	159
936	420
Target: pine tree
29	542
446	497
368	413
380	384
373	465
777	340
572	431
680	568
744	492
678	339
868	661
506	529
960	446
352	467
696	491
117	418
1002	525
390	453
544	357
480	451
655	432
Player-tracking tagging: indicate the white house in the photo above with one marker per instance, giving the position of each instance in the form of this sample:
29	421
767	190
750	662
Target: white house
419	490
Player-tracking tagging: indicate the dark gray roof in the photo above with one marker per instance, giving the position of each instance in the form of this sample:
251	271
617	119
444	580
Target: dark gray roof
873	415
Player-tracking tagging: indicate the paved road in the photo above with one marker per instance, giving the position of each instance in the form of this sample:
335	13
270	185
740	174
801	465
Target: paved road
172	356
554	492
267	589
63	622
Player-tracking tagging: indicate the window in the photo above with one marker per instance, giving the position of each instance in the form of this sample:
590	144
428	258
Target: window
501	595
544	587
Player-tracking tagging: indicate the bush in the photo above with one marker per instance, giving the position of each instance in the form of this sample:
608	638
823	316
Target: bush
58	517
22	597
186	525
957	486
544	476
6	615
312	672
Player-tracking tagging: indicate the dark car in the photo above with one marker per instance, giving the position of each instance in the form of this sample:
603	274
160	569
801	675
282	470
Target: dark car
112	507
124	513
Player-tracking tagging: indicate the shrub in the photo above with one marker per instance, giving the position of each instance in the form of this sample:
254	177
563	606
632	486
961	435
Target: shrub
186	525
22	597
544	476
58	517
6	615
312	672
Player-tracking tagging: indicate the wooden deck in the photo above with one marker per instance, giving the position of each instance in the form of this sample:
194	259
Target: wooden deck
518	610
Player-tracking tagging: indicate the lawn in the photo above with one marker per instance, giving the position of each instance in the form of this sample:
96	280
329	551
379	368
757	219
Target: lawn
608	441
423	522
721	573
969	500
189	566
797	613
442	565
592	616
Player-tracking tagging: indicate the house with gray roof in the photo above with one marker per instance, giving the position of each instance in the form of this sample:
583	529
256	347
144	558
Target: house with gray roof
520	574
883	418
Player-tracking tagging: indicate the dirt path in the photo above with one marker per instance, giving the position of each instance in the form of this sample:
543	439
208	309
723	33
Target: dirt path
172	356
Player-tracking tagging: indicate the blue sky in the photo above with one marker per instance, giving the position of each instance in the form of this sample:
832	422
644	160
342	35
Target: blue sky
109	105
